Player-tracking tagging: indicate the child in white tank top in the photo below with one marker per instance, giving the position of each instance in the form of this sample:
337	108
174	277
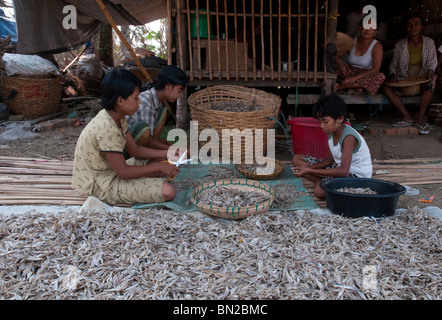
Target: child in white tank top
348	155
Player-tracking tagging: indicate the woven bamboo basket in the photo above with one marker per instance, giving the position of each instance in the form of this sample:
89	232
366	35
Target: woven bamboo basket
268	106
234	212
278	170
33	97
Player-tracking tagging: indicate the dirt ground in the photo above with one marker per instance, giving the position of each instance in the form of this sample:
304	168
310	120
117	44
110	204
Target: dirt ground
60	144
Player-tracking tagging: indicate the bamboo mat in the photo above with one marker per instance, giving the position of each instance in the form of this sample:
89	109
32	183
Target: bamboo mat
48	181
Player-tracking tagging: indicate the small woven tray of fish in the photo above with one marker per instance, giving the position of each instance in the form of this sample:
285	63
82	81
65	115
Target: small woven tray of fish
233	199
257	171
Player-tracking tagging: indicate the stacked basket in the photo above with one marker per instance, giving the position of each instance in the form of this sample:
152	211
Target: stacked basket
264	117
33	97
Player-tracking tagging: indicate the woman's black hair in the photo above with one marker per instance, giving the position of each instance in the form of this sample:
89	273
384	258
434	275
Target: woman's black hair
415	15
331	105
115	84
170	75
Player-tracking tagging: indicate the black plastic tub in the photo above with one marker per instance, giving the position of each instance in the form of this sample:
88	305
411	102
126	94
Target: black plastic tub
352	205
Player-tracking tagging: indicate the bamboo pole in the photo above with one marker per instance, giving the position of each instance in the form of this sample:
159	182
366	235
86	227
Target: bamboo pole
169	32
289	58
253	40
129	48
279	40
307	39
218	40
271	40
315	68
198	40
325	40
209	46
262	41
246	48
236	41
189	37
298	65
226	41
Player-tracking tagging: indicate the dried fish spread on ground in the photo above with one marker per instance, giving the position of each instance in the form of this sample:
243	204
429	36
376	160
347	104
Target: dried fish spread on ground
159	254
285	195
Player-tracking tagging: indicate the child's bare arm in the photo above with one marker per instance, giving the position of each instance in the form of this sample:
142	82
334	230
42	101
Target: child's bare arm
318	170
142	152
152	169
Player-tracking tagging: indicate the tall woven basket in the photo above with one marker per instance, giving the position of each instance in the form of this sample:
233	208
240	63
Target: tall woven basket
267	104
33	97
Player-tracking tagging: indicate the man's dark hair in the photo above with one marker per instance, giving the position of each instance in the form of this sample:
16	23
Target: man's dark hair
115	84
170	75
331	105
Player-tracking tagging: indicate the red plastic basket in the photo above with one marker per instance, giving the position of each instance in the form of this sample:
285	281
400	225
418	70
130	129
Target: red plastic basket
308	137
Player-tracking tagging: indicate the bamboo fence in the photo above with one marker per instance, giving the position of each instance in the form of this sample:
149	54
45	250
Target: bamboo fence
223	53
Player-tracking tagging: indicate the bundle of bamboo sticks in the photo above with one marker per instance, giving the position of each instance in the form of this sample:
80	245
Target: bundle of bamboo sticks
409	171
37	181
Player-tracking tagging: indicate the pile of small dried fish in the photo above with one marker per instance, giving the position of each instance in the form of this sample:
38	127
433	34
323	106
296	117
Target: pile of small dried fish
233	106
161	254
222	172
357	190
227	196
265	170
285	195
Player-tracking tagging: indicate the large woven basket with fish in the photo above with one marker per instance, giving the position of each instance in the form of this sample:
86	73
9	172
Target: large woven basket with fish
266	169
235	107
233	198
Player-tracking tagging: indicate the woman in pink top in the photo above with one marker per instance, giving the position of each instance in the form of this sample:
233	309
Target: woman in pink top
365	59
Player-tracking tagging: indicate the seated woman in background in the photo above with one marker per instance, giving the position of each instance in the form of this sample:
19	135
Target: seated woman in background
413	56
364	63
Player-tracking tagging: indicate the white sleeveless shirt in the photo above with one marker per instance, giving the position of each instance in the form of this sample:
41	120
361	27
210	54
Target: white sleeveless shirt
361	164
362	62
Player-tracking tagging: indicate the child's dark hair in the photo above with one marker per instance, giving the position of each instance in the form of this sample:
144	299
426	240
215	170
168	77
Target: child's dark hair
170	75
115	84
331	105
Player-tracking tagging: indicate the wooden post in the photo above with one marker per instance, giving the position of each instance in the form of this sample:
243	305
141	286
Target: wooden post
129	48
104	45
182	109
